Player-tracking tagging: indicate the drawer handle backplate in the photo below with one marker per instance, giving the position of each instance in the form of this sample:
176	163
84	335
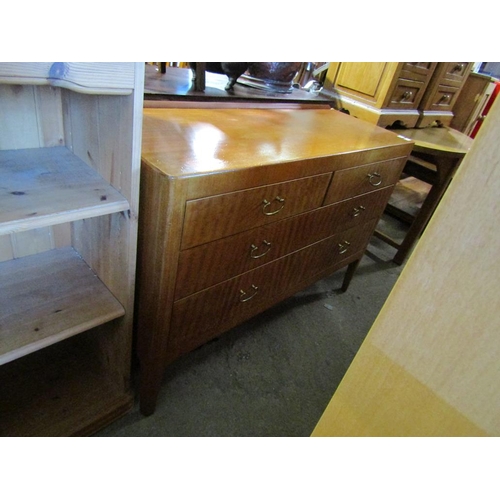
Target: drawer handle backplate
254	248
375	179
244	297
357	210
344	246
267	203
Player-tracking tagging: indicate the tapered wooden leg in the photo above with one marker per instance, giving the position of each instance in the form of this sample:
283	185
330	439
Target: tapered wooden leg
351	269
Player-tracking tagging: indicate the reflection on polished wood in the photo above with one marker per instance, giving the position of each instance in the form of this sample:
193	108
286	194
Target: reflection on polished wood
176	85
435	158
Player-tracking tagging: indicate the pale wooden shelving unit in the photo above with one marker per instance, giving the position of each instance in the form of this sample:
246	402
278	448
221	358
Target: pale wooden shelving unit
69	185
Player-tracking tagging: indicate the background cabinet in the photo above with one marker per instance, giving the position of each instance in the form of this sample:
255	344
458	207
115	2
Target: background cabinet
69	186
408	94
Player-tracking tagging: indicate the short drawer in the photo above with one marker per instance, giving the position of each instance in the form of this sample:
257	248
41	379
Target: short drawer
443	99
406	95
206	265
418	71
455	73
199	317
363	179
208	219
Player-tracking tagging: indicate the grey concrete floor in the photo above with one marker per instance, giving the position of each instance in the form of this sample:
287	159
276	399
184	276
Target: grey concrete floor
275	374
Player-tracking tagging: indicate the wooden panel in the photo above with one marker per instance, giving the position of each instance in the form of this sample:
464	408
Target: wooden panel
242	210
18	119
363	179
199	317
48	297
45	394
208	264
361	77
46	186
429	365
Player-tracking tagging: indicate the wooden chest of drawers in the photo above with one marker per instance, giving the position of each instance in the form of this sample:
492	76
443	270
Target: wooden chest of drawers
242	208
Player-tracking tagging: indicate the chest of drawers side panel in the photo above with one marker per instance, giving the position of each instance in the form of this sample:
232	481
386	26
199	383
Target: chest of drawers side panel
161	216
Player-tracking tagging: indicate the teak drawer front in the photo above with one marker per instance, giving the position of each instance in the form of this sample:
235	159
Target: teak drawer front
208	219
406	95
443	99
199	317
212	263
455	73
418	71
364	179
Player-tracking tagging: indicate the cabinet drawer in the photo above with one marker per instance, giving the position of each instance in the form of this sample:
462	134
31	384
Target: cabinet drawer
443	98
364	179
199	317
455	73
212	263
406	95
418	71
208	219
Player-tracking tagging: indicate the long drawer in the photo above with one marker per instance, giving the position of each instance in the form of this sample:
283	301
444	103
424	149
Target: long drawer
363	179
208	219
199	317
206	265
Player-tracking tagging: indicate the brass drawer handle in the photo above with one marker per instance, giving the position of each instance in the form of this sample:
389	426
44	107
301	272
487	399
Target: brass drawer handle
267	203
445	98
244	297
357	210
458	67
254	248
375	176
344	246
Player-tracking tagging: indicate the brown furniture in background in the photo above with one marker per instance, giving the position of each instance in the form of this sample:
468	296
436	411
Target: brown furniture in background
405	94
435	158
240	209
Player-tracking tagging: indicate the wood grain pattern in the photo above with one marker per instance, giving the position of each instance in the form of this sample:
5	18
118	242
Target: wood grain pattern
47	186
363	179
185	142
208	264
48	297
199	317
90	78
242	210
429	365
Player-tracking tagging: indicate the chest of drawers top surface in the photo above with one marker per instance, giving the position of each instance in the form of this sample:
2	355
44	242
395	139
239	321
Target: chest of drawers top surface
187	142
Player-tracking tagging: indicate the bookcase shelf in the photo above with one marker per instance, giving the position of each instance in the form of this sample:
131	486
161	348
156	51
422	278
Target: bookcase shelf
70	136
47	297
47	186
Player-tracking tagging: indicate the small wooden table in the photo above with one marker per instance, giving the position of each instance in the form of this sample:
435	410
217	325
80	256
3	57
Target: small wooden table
435	158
